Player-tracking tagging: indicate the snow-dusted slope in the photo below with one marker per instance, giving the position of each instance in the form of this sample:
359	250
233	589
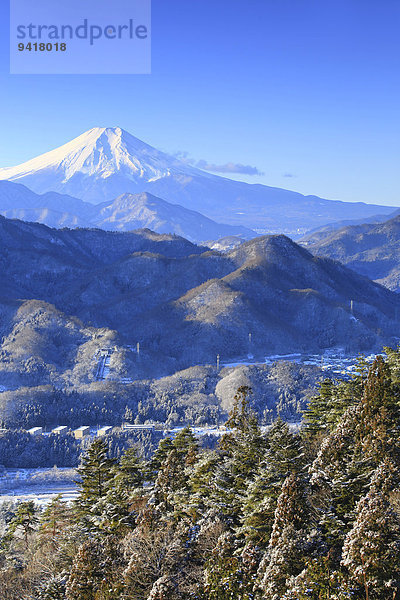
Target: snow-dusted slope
125	213
138	211
52	209
104	163
97	165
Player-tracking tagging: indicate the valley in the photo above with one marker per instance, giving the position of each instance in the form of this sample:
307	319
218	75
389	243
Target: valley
138	289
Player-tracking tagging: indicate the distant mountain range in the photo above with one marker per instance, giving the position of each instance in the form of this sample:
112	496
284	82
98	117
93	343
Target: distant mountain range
106	163
370	249
320	233
125	213
66	293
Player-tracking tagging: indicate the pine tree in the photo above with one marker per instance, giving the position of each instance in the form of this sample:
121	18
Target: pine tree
96	473
84	579
96	571
318	581
339	477
227	574
170	480
378	431
53	588
185	443
153	466
371	551
316	414
240	454
24	522
393	360
129	472
157	550
284	455
289	544
52	522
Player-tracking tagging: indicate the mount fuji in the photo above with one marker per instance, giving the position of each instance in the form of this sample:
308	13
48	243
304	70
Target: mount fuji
99	165
105	163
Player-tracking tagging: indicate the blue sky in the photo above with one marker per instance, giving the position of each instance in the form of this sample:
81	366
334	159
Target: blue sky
306	91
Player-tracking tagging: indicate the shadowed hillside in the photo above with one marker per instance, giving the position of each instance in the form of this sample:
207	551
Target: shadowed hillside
183	304
371	249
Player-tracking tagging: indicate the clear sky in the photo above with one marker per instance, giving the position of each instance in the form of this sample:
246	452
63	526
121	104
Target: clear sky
306	91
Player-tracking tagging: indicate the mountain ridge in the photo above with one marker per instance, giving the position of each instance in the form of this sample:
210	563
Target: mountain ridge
183	303
127	212
372	250
103	163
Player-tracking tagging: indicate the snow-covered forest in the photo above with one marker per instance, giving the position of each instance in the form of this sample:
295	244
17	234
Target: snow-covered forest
313	514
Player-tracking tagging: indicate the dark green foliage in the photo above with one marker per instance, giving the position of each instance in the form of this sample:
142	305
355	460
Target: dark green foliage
96	474
171	487
284	455
228	574
24	521
18	449
378	432
371	552
129	472
239	455
280	515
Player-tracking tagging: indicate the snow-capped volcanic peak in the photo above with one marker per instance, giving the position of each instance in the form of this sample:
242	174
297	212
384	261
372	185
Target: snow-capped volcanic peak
106	151
100	152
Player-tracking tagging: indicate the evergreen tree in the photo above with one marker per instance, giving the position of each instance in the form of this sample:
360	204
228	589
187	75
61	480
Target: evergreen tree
53	588
326	409
129	472
378	431
339	477
240	454
315	415
371	551
185	443
163	449
289	545
227	574
200	483
284	455
52	522
24	522
318	581
96	473
120	504
96	571
170	480
171	488
84	579
157	551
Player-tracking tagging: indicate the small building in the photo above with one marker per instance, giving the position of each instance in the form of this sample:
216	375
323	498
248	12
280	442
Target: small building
104	430
150	426
60	430
81	432
35	431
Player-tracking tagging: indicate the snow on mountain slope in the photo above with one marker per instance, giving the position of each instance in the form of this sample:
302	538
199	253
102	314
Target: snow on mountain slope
137	211
53	209
125	213
103	153
105	163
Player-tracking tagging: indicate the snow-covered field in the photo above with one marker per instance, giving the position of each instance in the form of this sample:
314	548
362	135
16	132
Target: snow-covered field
40	485
334	361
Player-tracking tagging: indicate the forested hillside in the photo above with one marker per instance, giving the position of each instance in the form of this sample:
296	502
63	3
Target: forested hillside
371	249
281	516
66	294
